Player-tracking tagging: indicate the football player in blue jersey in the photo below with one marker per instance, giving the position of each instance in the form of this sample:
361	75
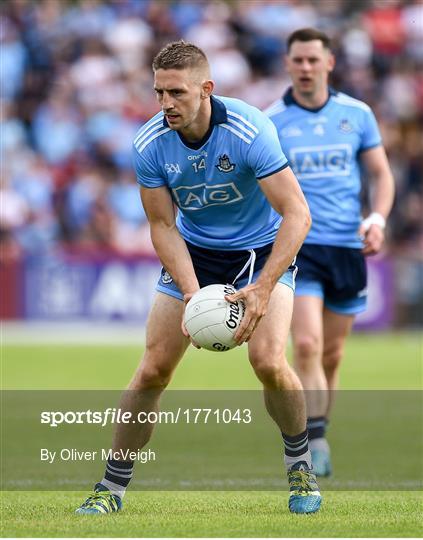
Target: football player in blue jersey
219	161
326	136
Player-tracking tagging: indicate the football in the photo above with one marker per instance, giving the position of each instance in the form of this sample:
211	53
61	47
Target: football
210	320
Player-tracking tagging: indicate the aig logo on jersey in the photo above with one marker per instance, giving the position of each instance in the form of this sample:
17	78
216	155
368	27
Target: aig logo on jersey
321	161
202	195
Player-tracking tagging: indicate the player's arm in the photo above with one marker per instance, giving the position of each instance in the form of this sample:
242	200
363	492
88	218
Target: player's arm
382	197
285	195
168	243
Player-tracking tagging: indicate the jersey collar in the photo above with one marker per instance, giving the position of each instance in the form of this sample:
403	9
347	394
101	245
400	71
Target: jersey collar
218	116
288	99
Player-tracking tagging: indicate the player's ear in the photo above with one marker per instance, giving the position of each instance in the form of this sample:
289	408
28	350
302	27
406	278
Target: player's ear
206	89
331	62
285	60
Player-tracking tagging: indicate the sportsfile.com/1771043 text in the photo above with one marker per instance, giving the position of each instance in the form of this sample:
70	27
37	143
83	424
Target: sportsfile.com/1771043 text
117	416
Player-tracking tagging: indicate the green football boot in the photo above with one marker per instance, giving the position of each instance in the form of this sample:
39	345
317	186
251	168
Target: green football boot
100	502
304	494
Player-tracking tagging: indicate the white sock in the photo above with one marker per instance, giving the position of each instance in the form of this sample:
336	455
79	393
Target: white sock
290	461
319	444
115	489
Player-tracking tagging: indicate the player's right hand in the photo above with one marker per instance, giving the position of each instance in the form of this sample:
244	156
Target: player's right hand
373	239
256	299
371	231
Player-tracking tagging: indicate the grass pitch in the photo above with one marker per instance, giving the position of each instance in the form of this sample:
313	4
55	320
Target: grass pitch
216	514
371	362
390	362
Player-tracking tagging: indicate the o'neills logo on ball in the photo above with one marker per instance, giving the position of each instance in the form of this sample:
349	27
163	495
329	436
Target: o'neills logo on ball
234	316
220	347
228	289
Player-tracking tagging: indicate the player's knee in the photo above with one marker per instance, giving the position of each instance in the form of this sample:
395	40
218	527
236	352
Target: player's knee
332	357
306	348
270	374
266	350
269	364
153	376
156	367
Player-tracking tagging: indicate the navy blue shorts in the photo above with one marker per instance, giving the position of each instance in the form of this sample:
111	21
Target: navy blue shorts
216	266
337	275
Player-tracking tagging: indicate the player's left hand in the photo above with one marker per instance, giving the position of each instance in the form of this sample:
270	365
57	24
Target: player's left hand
187	298
373	239
256	299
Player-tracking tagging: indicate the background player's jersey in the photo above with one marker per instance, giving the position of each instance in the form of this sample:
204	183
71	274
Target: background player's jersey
214	182
323	148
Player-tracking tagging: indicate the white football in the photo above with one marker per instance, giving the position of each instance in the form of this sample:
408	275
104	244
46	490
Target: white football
211	321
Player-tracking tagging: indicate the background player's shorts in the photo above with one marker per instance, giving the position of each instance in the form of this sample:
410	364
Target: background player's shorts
336	274
215	266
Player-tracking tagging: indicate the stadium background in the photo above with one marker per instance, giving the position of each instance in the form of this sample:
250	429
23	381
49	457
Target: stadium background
77	84
74	247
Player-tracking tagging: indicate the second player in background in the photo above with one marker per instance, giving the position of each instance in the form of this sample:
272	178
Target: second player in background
327	136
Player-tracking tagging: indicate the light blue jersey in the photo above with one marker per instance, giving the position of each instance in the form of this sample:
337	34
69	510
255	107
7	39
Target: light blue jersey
214	182
323	148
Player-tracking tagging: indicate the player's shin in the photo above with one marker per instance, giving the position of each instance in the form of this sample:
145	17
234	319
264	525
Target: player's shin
130	437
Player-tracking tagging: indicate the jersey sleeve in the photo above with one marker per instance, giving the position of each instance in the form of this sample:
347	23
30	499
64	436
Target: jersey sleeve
265	155
370	136
147	173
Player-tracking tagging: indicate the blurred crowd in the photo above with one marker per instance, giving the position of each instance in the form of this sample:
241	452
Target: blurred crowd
76	84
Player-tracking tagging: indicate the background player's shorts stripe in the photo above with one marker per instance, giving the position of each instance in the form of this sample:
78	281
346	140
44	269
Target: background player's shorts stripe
335	274
352	306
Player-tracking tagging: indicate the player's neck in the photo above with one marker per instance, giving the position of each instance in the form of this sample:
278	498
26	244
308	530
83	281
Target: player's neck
200	126
311	101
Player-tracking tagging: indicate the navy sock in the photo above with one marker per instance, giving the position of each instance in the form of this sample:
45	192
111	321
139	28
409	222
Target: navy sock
296	449
117	476
316	426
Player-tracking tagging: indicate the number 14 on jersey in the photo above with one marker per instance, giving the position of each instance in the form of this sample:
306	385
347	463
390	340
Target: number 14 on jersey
200	165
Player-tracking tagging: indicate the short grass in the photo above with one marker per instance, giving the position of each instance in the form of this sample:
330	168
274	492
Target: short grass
217	514
384	362
372	362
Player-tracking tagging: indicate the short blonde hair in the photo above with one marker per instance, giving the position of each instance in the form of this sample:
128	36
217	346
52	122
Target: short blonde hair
181	55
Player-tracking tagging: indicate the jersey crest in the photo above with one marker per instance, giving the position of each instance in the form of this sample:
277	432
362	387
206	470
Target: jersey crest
166	277
345	126
225	164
